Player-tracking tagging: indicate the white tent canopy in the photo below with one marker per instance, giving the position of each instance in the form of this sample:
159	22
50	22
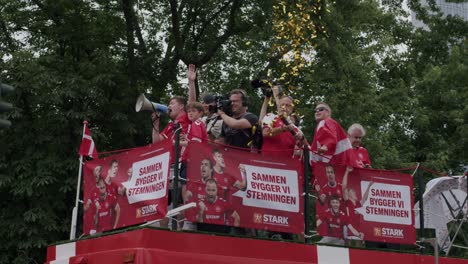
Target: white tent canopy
445	200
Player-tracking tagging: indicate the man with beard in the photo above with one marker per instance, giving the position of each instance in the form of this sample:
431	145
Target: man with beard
107	210
213	211
196	190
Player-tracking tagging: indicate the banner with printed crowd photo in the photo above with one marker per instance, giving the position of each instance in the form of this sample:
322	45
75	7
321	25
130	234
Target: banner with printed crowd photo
127	188
239	188
364	204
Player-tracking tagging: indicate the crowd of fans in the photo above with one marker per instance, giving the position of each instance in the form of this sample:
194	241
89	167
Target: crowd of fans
231	124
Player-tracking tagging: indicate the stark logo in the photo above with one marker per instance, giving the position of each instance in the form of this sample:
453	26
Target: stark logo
146	210
377	231
138	213
257	218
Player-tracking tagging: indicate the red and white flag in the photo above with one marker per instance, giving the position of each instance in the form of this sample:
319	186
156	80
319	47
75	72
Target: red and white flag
329	133
87	147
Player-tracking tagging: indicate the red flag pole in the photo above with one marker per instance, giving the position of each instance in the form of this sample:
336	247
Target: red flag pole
78	187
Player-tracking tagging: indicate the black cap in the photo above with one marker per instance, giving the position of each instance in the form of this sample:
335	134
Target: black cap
208	99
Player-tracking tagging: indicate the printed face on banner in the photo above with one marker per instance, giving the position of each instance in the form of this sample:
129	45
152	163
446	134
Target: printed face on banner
261	192
134	185
270	188
373	205
148	180
386	203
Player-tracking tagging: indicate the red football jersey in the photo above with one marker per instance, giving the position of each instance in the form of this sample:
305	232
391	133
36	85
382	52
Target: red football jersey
215	213
329	191
184	122
105	212
362	157
225	183
196	132
334	222
282	144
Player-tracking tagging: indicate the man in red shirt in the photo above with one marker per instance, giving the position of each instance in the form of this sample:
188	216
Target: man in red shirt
196	189
330	143
107	210
355	134
225	182
213	209
336	220
332	187
179	118
280	135
113	187
176	111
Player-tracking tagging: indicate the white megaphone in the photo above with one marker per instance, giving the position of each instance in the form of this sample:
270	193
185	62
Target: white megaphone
143	103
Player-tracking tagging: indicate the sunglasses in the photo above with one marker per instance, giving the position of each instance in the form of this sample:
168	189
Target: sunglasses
320	109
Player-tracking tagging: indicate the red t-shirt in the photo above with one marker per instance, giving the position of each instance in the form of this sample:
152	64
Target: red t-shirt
362	156
215	213
197	188
225	182
282	144
334	222
168	131
329	191
196	132
112	188
105	212
184	122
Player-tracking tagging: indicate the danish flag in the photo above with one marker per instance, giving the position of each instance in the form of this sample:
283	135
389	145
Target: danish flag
87	147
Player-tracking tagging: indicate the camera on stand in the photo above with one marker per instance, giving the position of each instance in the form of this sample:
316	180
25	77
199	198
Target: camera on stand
266	86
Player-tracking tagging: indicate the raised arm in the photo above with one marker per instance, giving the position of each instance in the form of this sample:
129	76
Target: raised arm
355	232
201	211
236	218
96	214
366	193
191	76
241	185
344	183
275	90
263	110
117	215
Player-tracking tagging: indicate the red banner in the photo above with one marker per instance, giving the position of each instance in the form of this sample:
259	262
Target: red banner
238	188
126	189
364	204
